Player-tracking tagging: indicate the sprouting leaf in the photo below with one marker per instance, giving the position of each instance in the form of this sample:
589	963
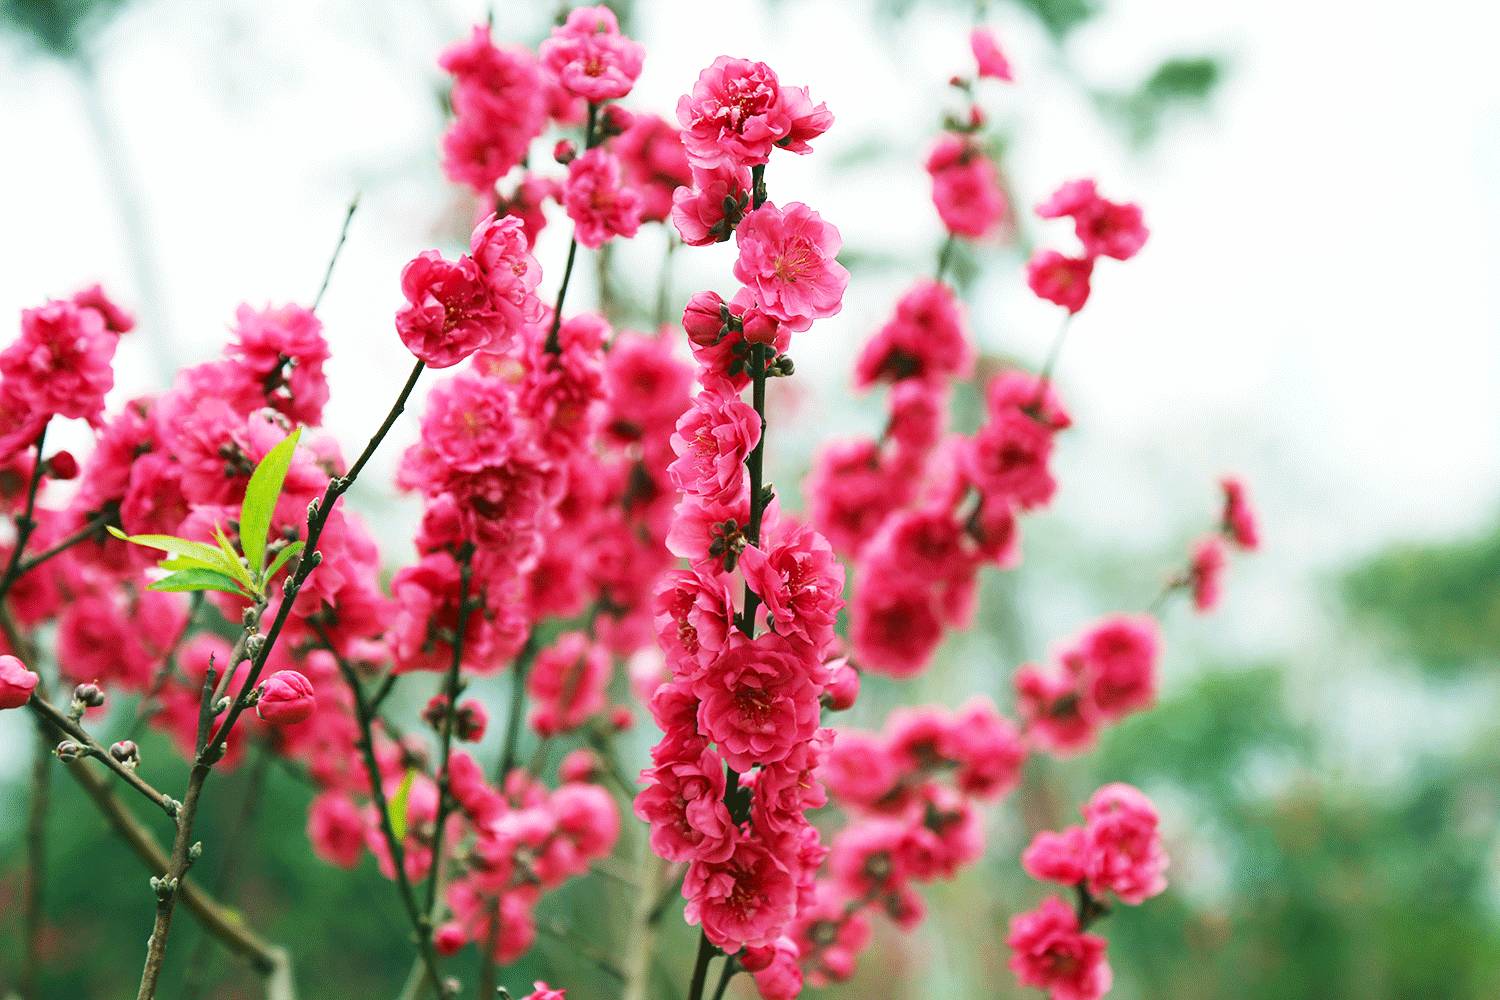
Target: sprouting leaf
232	558
260	499
281	560
189	580
180	548
397	805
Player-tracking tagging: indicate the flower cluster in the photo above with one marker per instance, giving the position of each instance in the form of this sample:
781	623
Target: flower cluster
1108	672
1210	556
1105	229
733	775
1116	852
912	794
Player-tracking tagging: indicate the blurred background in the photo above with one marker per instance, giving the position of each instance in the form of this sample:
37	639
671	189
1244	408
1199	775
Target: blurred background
1316	311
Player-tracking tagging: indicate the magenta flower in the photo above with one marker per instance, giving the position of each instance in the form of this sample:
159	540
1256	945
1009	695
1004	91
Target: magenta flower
1060	279
742	901
1049	951
1124	850
286	698
16	682
449	314
734	115
788	260
760	701
965	187
991	61
1239	521
711	442
598	201
62	363
590	58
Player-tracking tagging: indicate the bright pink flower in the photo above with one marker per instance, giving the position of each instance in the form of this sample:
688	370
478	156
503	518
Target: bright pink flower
1057	857
655	164
924	340
988	749
567	684
707	210
781	977
746	900
719	334
992	62
1124	850
1060	279
1072	198
336	828
734	115
283	350
598	201
843	686
500	246
647	387
62	362
684	802
711	442
895	627
1239	522
788	259
693	614
1050	952
808	121
116	319
541	991
16	682
965	187
590	58
449	313
860	769
1119	656
1008	458
800	582
470	423
1106	228
851	490
1206	573
286	698
499	106
760	700
1057	716
526	203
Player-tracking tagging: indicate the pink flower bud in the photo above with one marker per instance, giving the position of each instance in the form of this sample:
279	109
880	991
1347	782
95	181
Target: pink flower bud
756	959
616	120
759	328
471	721
565	151
621	718
580	765
16	682
843	689
286	698
449	938
704	318
62	466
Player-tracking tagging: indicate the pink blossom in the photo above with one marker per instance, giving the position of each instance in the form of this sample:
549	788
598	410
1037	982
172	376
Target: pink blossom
965	187
991	61
734	115
1008	458
683	801
843	686
470	423
788	259
655	163
1119	655
62	362
449	313
895	627
336	828
16	682
116	319
1105	228
781	977
499	106
708	209
567	684
286	698
598	201
799	581
1239	517
1059	279
500	246
1057	857
1050	952
851	490
760	700
988	750
1057	715
283	350
924	340
541	991
1124	850
1206	573
693	614
590	58
746	900
711	442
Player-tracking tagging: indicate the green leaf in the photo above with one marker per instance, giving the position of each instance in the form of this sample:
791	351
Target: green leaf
397	805
260	499
174	546
197	579
232	558
281	560
186	562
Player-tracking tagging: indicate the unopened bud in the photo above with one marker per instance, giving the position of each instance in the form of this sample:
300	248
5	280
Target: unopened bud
565	151
68	750
62	466
88	695
126	752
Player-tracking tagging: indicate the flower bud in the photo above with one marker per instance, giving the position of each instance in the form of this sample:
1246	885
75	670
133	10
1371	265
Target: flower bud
702	319
843	689
126	752
759	328
88	695
976	117
68	750
449	938
16	682
580	765
62	466
471	721
756	959
615	120
621	718
286	698
565	151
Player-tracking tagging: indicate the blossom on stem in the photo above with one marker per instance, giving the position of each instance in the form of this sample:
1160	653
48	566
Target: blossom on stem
589	57
788	260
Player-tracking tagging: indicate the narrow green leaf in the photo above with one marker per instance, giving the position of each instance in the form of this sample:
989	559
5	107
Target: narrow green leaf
260	499
197	579
174	546
187	562
397	805
232	558
281	560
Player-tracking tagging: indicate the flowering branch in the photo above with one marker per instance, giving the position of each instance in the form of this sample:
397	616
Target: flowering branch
78	743
590	138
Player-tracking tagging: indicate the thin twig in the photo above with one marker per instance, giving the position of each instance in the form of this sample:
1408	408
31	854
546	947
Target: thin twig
337	249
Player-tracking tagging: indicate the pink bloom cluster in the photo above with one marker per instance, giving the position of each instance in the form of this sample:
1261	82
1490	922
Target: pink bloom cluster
1105	674
966	187
1117	851
746	687
1210	557
912	793
1105	229
499	102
